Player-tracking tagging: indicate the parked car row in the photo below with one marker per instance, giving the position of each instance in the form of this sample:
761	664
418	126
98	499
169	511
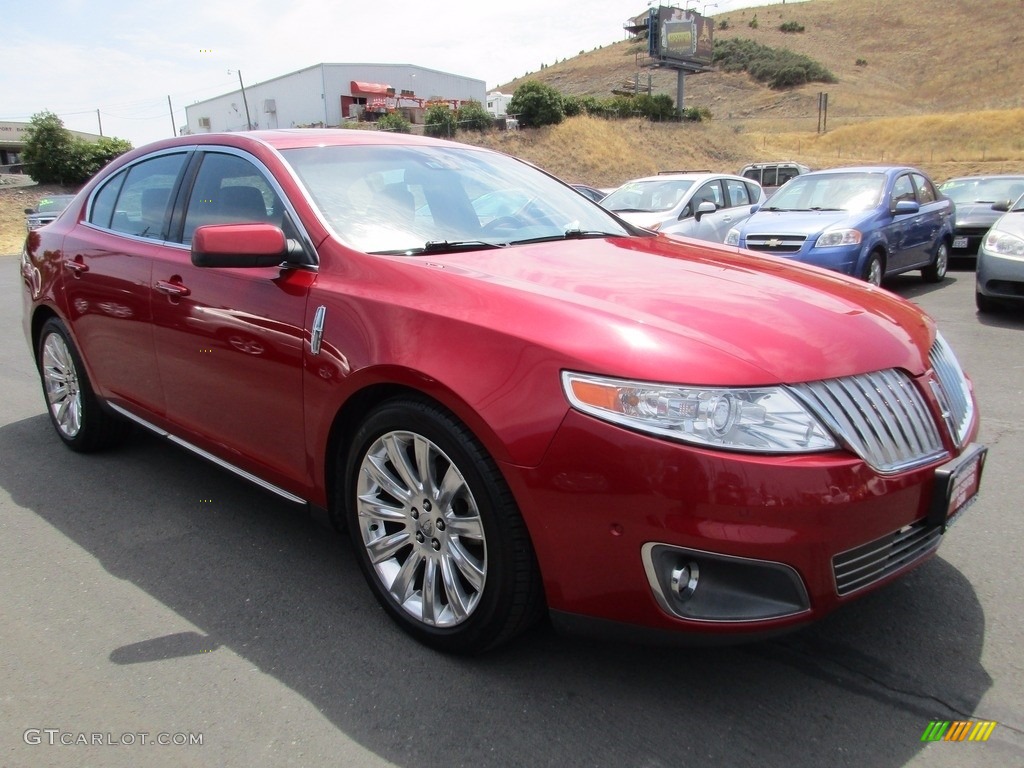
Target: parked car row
869	222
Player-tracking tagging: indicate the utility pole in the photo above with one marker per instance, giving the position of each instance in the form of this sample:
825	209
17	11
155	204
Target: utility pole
174	128
99	121
248	120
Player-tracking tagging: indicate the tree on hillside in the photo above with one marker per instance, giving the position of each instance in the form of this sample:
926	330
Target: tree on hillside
536	104
48	149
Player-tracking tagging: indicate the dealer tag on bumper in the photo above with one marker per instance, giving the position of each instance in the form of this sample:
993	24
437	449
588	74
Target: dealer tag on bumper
956	486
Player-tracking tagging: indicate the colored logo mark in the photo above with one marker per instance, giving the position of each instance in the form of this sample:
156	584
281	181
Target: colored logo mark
958	730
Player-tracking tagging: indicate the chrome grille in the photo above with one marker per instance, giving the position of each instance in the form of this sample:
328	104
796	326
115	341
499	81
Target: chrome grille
880	416
776	243
955	396
857	568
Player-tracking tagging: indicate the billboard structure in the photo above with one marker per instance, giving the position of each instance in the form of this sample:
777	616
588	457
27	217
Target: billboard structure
680	37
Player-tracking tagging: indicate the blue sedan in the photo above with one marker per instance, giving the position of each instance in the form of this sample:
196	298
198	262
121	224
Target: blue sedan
868	222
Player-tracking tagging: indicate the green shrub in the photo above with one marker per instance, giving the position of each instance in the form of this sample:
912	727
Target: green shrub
778	67
861	62
394	122
440	120
472	116
572	106
723	24
535	104
791	26
753	22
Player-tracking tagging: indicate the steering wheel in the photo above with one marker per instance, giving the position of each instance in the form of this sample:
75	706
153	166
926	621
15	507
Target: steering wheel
501	223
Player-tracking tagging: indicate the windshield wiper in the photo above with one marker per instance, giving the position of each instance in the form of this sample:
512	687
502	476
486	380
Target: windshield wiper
820	208
442	246
569	234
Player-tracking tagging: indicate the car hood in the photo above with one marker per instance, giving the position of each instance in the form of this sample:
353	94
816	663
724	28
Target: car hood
665	310
801	222
1011	223
976	215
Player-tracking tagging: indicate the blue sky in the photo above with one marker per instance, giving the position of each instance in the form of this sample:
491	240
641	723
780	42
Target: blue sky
74	57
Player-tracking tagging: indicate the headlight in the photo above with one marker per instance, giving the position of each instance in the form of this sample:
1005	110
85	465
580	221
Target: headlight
758	419
830	238
1004	244
733	238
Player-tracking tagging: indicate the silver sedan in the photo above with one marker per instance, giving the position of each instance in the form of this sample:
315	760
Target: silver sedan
1000	276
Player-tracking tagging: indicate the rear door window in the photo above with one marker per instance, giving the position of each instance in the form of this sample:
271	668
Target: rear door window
144	200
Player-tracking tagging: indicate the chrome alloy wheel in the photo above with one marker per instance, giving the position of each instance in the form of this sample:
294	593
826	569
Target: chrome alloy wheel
421	529
60	378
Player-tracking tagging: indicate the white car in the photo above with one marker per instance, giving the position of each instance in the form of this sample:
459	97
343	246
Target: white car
700	205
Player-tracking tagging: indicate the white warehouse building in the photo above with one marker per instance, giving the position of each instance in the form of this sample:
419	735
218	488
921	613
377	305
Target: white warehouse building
325	95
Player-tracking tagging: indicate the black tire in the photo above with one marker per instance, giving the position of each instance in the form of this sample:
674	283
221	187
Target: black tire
77	415
453	565
985	304
936	271
874	270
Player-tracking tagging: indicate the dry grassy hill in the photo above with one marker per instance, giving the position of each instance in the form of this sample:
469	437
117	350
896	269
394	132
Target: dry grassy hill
941	89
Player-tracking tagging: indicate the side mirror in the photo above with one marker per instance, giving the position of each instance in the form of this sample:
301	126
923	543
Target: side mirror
754	209
1003	206
30	210
239	245
906	206
703	208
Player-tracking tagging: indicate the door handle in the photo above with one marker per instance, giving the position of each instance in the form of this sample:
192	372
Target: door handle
77	266
174	289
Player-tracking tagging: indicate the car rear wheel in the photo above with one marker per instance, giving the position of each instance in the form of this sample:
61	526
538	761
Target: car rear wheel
75	411
874	269
436	530
936	271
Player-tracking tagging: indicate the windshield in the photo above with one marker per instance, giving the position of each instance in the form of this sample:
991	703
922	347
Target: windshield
647	196
418	199
830	192
983	190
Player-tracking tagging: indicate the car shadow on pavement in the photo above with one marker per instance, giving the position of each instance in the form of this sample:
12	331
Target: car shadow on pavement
261	579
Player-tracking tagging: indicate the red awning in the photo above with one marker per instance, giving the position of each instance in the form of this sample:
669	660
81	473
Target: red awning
380	88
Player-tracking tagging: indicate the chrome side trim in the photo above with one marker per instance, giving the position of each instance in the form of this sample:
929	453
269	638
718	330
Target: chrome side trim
318	330
210	457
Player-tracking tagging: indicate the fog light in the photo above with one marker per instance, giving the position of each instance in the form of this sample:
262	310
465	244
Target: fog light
731	588
683	580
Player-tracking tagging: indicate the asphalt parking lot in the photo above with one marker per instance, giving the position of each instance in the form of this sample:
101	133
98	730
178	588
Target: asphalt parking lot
148	596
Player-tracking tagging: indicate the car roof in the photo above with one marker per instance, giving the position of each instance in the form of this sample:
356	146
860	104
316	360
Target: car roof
291	138
865	169
985	176
702	176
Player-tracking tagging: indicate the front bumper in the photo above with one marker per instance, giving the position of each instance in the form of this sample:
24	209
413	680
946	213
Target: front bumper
845	259
1000	277
606	503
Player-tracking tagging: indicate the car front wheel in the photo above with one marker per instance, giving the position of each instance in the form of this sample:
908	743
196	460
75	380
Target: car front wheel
936	271
874	269
74	410
436	530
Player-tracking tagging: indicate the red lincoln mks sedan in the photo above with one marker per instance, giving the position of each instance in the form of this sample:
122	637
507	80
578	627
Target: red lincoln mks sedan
514	401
